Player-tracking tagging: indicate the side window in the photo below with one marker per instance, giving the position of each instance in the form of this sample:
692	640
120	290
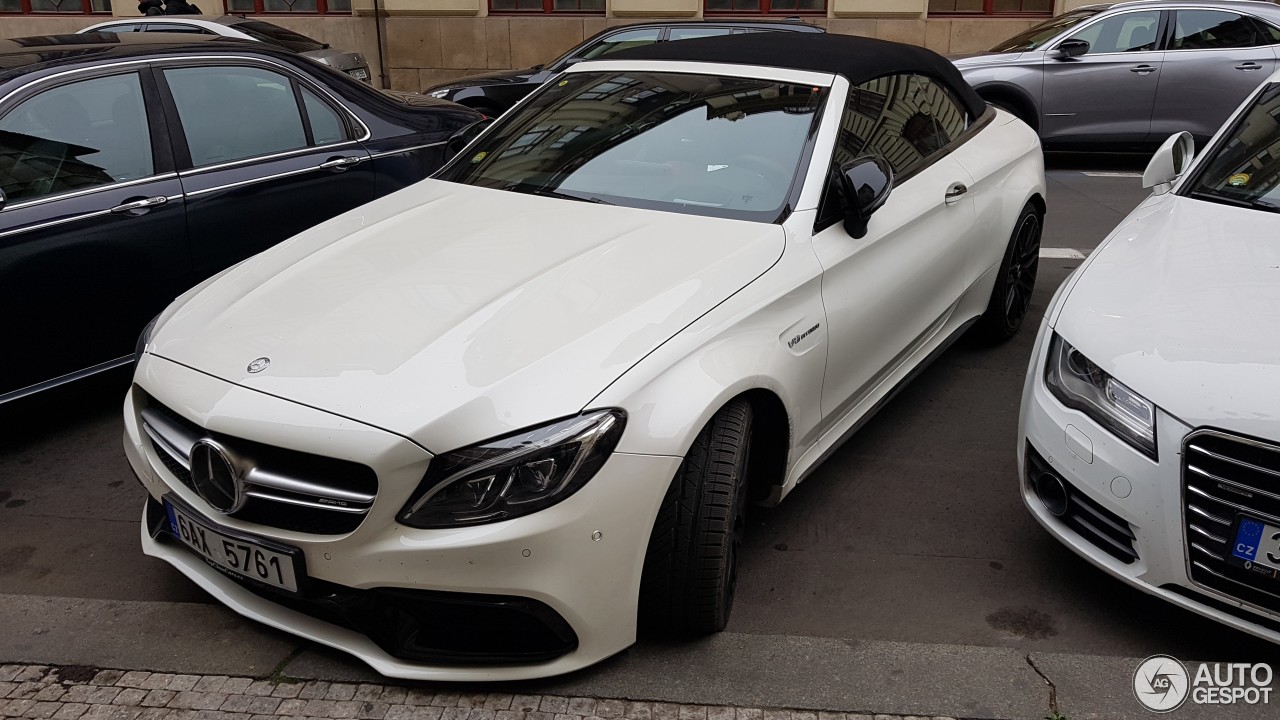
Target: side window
621	41
326	126
1213	30
120	28
235	112
688	33
1270	34
177	28
902	118
1126	32
75	136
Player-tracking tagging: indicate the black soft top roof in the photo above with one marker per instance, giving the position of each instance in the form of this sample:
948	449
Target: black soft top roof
858	59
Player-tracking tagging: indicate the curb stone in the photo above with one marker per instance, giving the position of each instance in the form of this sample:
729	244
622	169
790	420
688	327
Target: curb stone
46	692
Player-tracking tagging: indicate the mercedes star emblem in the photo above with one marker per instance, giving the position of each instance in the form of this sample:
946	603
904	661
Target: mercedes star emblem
215	478
259	365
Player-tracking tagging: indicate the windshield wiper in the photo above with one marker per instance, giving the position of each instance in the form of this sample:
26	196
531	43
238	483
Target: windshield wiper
545	192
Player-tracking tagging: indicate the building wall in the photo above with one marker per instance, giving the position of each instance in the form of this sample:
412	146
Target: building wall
431	41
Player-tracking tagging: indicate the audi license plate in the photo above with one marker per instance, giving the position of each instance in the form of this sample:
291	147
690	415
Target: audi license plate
238	556
1257	543
360	74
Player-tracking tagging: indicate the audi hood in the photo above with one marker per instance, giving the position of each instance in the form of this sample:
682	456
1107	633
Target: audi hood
1182	303
450	314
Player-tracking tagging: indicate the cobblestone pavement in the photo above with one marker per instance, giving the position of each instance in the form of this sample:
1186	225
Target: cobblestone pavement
79	693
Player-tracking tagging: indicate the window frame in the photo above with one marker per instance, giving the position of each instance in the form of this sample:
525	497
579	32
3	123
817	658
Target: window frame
826	217
548	8
355	129
988	10
86	8
162	159
259	8
766	9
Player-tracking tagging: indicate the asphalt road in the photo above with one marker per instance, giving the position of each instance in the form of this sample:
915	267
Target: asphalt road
912	533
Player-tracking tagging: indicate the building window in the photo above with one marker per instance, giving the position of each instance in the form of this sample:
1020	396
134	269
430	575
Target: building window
61	7
990	7
586	7
765	7
287	7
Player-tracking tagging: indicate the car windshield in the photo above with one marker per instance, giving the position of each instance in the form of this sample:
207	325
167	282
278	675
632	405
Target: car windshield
278	36
1245	167
1038	35
695	144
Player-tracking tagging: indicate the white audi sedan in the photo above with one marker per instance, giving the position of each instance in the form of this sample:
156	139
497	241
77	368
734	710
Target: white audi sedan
488	426
1149	439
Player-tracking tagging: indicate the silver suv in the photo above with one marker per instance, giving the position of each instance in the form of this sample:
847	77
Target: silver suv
1130	73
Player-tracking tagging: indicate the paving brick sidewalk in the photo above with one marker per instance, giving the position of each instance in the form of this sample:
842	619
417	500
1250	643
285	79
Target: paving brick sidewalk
77	693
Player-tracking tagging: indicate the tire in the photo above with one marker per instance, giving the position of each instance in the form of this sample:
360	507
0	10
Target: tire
1016	279
690	568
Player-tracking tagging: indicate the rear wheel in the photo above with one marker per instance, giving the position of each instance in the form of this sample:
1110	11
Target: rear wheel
690	568
1016	279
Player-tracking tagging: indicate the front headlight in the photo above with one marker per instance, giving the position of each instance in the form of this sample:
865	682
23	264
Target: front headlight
514	475
1078	383
144	337
443	93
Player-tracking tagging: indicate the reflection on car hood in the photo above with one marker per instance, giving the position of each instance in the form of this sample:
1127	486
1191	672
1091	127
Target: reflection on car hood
336	59
1183	305
497	78
449	314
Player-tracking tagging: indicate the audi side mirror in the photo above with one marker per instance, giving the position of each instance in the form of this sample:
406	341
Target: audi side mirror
864	186
463	137
1170	161
1071	48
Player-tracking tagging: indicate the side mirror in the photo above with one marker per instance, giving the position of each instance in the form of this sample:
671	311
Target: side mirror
571	62
463	137
864	186
1072	48
1169	162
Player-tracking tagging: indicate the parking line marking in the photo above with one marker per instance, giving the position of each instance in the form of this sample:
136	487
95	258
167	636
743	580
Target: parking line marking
1062	253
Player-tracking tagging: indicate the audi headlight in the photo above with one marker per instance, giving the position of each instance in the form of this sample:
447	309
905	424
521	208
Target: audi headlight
140	347
1078	383
514	475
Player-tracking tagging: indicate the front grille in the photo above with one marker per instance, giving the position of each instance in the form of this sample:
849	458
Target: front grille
284	489
1093	522
1225	477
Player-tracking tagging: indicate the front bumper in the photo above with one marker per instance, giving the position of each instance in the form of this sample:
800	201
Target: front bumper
577	563
1122	496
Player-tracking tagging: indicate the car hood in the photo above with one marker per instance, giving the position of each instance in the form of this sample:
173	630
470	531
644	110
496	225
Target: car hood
496	78
1183	305
450	314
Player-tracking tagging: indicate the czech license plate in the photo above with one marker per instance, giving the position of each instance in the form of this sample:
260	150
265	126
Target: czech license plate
1257	543
360	74
237	555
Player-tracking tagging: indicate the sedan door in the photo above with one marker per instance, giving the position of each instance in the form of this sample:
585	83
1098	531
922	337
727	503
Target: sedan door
92	233
888	292
1215	59
267	156
1108	93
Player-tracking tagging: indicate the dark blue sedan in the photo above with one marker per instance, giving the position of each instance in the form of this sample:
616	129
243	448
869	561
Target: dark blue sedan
134	166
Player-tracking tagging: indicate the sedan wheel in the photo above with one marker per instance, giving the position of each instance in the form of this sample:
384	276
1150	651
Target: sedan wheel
1011	296
690	568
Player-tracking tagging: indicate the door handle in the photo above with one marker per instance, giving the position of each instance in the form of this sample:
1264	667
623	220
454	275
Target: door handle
1142	69
340	164
955	192
142	204
1249	66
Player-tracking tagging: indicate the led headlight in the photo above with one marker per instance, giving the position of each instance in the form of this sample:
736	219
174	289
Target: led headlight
1078	383
514	475
144	337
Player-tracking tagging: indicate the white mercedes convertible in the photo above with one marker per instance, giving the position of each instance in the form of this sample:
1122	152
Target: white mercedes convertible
488	426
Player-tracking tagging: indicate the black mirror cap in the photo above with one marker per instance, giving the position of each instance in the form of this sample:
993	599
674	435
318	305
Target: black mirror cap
864	186
1073	48
463	137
